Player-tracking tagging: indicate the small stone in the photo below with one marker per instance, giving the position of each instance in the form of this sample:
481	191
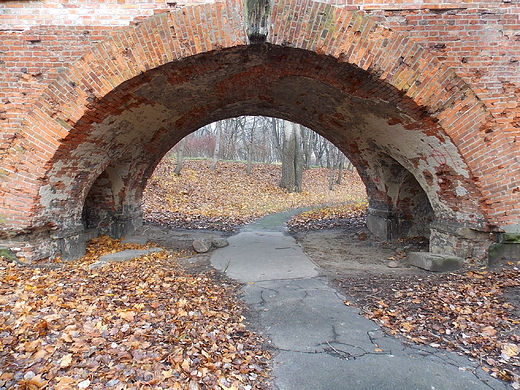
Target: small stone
220	242
201	246
393	264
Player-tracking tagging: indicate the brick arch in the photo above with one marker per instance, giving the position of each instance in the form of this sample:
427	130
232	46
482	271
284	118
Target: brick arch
326	49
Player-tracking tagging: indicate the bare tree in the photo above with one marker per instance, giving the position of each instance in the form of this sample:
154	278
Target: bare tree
341	166
276	137
249	137
337	161
319	147
216	151
291	159
180	156
306	146
256	139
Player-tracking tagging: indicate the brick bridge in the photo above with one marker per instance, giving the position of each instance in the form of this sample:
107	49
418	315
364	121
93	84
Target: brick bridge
422	96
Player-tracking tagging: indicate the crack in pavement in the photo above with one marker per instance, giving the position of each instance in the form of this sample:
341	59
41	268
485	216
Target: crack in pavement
317	341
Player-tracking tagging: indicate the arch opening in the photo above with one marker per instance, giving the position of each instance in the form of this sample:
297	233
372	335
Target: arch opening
204	193
406	211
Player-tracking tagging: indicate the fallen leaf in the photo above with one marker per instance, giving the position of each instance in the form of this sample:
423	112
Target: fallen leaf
509	350
127	315
489	331
66	361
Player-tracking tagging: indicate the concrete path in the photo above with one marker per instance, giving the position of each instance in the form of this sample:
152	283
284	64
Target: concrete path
320	343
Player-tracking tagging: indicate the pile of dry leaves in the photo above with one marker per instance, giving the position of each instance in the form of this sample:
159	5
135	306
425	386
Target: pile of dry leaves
141	324
227	198
329	217
470	312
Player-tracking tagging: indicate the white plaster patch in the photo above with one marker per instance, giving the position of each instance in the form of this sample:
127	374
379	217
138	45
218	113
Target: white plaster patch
426	153
134	126
461	191
49	194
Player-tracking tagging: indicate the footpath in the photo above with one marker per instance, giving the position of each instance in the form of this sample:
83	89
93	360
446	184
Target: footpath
318	342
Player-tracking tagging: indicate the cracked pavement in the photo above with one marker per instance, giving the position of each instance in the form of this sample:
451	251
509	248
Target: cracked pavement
317	341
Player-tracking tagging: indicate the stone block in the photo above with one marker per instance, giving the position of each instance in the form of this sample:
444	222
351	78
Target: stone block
505	251
73	247
382	224
434	262
220	242
467	233
511	238
201	246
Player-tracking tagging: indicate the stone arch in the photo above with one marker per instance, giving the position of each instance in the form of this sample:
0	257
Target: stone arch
369	90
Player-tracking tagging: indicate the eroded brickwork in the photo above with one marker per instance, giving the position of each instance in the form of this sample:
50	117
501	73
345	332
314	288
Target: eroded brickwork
424	99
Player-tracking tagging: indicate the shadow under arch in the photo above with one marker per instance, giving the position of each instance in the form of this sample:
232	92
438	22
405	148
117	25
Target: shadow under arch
122	106
407	211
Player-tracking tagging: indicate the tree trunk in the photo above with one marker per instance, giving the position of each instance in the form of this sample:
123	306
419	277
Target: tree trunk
291	159
340	167
298	158
276	139
306	145
180	156
249	147
328	152
217	146
332	162
318	146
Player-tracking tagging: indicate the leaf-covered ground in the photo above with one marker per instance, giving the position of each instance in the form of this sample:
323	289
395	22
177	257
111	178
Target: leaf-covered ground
472	312
329	217
141	324
229	198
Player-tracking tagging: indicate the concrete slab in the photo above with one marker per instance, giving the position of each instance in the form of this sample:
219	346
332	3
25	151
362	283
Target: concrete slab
126	255
325	371
320	343
141	240
254	256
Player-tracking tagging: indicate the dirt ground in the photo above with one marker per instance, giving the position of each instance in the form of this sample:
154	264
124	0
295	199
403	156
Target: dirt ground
341	252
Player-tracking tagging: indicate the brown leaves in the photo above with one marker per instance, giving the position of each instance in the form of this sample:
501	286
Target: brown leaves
328	217
464	312
227	198
131	325
31	381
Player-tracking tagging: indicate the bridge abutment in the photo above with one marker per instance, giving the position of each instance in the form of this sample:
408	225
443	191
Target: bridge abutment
446	238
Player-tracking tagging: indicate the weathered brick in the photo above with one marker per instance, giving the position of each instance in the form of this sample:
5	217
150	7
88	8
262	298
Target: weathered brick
450	69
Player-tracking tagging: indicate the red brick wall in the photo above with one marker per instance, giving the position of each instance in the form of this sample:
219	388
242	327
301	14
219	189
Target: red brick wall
455	65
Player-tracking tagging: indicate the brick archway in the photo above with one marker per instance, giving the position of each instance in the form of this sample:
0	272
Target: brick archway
104	124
